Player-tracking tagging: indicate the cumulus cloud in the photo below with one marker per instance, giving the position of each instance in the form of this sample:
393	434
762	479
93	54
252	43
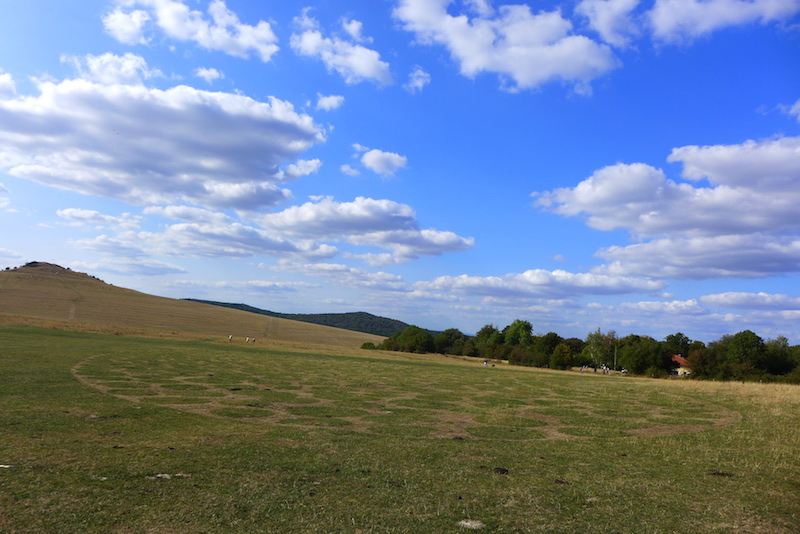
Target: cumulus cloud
327	218
611	19
684	20
417	80
699	258
383	163
525	49
112	69
354	62
794	110
214	238
8	89
658	308
744	224
344	275
770	164
187	214
150	146
329	102
349	170
752	301
208	74
224	32
539	283
127	27
366	222
407	245
755	186
355	29
82	217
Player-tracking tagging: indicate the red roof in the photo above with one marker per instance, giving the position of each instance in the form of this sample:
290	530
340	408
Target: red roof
680	360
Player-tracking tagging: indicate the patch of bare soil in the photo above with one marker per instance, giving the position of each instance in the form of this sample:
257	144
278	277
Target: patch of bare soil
398	412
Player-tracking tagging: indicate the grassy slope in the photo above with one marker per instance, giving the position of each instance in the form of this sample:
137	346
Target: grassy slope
71	300
294	435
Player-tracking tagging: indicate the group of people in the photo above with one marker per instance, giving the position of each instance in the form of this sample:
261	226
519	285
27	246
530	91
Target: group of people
246	340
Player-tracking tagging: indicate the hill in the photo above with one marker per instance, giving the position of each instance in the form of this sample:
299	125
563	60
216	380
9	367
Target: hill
47	294
356	321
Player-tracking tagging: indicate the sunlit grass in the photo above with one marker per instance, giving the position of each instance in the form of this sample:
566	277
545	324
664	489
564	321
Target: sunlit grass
119	434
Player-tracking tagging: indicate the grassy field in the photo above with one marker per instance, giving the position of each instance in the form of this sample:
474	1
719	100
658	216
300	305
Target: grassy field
170	434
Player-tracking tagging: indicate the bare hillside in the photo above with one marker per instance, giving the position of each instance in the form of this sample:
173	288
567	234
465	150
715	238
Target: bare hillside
46	294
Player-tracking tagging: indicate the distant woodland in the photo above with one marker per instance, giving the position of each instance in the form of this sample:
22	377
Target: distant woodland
741	356
355	321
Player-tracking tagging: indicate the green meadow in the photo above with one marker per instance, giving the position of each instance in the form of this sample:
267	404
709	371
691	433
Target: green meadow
121	434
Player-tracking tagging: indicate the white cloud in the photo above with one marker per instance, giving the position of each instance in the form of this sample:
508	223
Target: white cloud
329	102
302	167
658	308
745	225
699	258
83	217
224	31
530	49
328	218
417	80
756	186
346	276
354	62
795	110
539	283
4	194
127	27
684	20
770	164
206	240
349	170
383	163
355	29
8	88
149	146
611	19
131	266
123	246
208	74
366	222
9	257
111	69
187	214
407	245
758	301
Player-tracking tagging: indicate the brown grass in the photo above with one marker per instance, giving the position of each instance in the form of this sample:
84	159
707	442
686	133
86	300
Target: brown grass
50	296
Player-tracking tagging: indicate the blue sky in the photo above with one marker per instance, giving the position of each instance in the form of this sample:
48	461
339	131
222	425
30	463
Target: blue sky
617	164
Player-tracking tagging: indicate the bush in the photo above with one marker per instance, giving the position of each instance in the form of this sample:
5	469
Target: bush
369	345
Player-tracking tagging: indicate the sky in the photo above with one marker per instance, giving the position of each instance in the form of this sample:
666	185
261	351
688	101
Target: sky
617	164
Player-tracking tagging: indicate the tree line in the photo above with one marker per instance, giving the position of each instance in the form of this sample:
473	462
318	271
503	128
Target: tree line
741	356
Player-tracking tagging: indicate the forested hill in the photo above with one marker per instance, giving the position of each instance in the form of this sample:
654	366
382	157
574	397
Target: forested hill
356	321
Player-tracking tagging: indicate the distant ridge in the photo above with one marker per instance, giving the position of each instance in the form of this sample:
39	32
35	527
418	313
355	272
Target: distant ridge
47	295
355	321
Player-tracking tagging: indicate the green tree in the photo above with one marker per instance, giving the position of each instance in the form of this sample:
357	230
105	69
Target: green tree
777	356
518	334
641	353
561	357
410	339
746	348
678	344
600	347
450	341
547	343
